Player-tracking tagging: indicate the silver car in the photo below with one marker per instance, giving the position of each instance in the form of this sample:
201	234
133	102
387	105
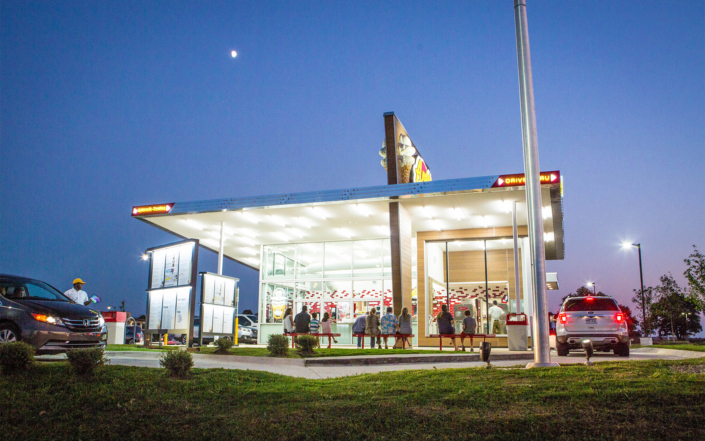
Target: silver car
597	319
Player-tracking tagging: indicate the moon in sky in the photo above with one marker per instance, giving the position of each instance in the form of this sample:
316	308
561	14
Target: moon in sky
233	54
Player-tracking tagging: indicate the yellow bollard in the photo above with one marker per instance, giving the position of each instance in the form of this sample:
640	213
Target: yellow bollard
236	330
166	339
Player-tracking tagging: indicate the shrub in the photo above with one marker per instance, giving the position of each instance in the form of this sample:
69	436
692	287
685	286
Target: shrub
224	344
178	363
306	344
16	357
278	345
85	361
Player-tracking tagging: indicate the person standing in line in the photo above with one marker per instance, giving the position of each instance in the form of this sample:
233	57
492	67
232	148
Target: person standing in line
389	325
469	326
495	314
77	294
405	326
325	325
445	324
359	328
288	321
372	328
302	321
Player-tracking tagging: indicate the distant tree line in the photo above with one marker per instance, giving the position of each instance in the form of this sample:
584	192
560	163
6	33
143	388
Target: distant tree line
672	310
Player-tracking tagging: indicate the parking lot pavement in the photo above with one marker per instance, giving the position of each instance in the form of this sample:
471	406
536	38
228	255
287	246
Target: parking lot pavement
285	366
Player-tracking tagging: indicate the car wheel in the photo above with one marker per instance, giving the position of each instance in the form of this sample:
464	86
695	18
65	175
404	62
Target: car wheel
562	349
9	333
622	350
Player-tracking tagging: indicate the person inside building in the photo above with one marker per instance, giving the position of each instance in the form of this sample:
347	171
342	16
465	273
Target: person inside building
495	316
469	326
372	328
302	321
77	294
288	321
389	325
359	328
445	324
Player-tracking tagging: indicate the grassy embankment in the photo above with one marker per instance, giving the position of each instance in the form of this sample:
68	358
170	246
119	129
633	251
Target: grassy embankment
680	346
609	400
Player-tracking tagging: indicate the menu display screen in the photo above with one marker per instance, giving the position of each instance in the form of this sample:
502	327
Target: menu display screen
220	302
172	266
169	308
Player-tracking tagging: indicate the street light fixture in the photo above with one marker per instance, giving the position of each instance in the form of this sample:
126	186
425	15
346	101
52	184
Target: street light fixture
594	287
641	278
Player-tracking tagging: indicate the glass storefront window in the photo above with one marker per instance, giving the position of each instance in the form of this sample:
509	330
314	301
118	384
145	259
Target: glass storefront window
387	257
457	276
338	260
309	263
367	258
276	298
278	261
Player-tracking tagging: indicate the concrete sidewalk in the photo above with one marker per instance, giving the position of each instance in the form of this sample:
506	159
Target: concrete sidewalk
298	367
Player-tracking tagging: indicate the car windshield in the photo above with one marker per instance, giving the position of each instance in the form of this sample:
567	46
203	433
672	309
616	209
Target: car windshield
31	290
591	304
253	318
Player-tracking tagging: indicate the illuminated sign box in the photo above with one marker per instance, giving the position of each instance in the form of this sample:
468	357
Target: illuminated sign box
518	180
145	210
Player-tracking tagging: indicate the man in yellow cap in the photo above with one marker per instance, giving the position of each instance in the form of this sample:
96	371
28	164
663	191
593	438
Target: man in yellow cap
76	294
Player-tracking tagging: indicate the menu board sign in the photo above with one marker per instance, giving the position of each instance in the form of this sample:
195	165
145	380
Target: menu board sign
219	302
169	308
171	291
172	266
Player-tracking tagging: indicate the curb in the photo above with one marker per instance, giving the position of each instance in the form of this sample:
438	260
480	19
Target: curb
409	359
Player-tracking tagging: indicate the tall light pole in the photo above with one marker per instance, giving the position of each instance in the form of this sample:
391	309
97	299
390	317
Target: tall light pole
641	278
594	287
542	351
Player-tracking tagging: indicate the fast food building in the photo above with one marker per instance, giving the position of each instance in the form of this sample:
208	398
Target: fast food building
415	243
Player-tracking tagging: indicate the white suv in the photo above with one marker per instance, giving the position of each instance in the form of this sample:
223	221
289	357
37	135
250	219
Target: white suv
598	319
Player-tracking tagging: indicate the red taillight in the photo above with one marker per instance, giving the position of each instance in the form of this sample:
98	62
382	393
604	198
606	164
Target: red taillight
590	299
562	318
620	318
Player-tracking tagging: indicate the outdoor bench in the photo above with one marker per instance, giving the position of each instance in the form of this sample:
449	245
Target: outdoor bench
440	337
403	340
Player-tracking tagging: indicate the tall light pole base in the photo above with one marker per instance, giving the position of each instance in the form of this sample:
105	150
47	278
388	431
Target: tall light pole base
540	365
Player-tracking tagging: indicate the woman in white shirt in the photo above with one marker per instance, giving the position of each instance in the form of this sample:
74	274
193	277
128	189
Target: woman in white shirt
288	321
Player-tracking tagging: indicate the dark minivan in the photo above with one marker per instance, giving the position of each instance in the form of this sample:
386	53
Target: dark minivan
39	314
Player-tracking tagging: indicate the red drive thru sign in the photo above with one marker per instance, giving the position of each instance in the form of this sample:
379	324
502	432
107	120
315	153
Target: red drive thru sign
519	180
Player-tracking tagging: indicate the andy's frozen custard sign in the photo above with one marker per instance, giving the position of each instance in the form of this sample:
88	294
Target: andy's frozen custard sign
410	166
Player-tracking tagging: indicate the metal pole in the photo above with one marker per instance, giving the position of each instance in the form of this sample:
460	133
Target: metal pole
542	351
643	299
447	278
220	251
515	233
594	288
487	293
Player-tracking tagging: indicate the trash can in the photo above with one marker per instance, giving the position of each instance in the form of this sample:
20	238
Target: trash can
115	322
516	332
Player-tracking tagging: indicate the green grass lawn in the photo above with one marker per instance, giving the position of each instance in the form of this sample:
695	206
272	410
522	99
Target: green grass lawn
609	400
682	347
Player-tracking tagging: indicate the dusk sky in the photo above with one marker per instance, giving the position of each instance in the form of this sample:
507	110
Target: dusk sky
106	105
